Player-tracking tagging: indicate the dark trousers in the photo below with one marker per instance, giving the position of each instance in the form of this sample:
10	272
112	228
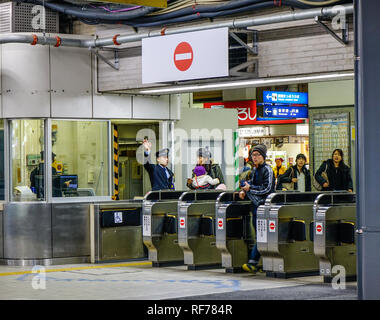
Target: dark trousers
254	254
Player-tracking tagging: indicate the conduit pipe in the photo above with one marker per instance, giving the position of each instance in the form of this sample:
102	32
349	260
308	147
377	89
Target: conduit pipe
233	24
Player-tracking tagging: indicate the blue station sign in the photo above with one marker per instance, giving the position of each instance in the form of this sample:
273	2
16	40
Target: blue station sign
287	112
285	97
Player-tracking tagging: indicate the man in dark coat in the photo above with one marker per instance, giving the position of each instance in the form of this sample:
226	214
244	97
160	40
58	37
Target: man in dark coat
161	177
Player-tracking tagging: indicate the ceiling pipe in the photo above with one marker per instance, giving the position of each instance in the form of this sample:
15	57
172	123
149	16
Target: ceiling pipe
233	24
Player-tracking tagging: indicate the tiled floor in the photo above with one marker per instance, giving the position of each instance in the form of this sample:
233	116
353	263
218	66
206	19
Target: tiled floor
138	281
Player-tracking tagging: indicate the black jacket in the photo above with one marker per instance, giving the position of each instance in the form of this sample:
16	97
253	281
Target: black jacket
261	184
339	178
158	177
288	176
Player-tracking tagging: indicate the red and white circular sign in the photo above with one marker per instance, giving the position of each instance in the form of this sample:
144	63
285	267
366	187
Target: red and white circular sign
183	56
181	222
271	226
220	223
318	228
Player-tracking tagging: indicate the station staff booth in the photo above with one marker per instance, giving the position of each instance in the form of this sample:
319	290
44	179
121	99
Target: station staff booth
69	153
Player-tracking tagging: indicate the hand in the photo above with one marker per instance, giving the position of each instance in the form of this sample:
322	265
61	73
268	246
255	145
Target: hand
325	185
246	187
294	180
349	190
147	145
242	195
189	181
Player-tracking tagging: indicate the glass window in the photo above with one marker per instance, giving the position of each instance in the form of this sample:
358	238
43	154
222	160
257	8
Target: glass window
80	158
27	163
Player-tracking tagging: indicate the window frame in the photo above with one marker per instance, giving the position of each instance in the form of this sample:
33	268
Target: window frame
48	162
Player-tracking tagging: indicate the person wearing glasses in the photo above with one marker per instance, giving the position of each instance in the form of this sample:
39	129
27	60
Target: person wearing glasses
257	188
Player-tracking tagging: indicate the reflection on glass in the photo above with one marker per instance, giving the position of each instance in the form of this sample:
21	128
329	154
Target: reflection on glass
27	163
80	158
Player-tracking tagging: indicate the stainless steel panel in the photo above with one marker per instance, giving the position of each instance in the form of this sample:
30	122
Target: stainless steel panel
1	236
71	93
25	81
27	231
71	230
151	107
112	106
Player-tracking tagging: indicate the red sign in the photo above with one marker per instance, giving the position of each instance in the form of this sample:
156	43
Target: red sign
319	228
220	223
182	222
271	226
183	56
247	112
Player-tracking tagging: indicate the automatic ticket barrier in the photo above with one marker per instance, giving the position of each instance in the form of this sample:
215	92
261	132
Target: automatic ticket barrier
234	232
334	234
283	234
160	227
118	231
196	229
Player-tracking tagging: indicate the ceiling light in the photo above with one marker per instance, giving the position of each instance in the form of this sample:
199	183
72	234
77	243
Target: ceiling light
248	83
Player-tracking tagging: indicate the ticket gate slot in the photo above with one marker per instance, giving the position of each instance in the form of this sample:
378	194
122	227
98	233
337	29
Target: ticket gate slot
196	229
334	234
284	235
160	228
234	232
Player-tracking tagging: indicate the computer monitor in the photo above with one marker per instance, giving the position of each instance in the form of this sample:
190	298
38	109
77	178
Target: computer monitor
69	184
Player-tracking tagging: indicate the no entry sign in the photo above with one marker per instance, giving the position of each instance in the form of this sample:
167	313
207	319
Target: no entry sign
220	224
186	56
272	226
183	56
319	228
182	222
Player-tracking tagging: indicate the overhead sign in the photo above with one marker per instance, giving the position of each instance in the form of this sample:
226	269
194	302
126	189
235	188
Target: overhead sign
185	56
247	113
285	112
285	97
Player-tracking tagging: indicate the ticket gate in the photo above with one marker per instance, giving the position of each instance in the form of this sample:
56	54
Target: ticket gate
196	229
283	234
334	234
160	227
234	230
117	231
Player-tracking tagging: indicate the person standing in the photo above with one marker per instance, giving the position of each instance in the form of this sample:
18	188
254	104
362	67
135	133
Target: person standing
279	169
338	173
257	189
298	174
212	169
161	177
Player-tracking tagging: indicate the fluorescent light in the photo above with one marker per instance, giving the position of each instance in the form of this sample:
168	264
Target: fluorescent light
247	83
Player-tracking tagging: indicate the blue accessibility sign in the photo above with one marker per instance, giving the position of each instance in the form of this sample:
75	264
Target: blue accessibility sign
285	97
285	112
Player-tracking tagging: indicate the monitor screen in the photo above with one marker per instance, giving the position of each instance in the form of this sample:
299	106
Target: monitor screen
69	182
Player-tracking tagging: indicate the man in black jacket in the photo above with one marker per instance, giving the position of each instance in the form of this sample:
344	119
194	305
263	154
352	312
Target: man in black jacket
257	189
298	175
161	177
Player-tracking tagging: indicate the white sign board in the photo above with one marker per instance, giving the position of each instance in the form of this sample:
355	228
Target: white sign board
261	229
146	226
185	56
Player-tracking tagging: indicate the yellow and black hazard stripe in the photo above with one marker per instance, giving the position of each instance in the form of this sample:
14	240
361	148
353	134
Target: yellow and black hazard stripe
115	164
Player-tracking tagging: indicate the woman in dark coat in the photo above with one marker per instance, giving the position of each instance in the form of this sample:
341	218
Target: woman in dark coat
212	169
338	173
